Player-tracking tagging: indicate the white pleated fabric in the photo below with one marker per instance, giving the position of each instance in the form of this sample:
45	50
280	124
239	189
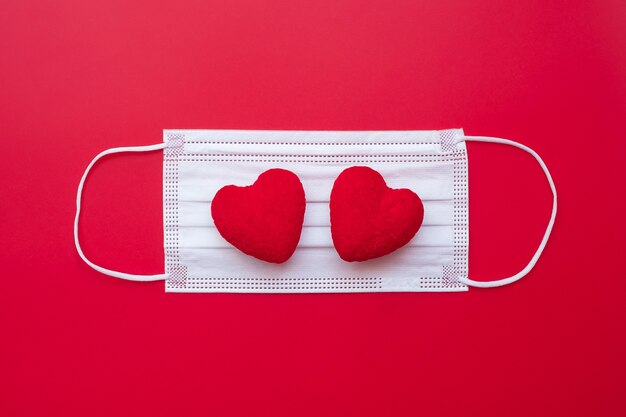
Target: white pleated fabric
198	163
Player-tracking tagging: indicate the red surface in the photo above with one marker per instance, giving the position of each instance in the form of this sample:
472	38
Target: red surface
264	219
368	219
77	77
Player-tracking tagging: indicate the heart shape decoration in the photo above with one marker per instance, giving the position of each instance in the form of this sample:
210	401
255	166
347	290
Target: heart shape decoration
368	219
264	219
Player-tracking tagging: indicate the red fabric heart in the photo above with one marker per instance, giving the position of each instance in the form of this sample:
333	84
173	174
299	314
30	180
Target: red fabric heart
368	219
264	219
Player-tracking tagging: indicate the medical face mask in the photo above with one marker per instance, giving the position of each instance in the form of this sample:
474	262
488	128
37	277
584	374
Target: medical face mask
197	163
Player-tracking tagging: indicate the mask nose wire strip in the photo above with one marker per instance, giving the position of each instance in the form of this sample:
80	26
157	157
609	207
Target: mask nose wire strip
542	245
122	275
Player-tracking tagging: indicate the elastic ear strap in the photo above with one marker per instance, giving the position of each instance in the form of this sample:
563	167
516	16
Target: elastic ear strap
131	277
542	245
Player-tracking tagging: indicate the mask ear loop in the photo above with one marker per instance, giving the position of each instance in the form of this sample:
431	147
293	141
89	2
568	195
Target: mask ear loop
542	245
116	274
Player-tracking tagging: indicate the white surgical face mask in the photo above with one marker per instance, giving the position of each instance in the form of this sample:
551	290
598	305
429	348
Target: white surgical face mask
197	163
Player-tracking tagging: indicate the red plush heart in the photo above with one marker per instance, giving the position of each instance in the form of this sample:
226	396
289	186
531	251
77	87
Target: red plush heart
264	219
369	219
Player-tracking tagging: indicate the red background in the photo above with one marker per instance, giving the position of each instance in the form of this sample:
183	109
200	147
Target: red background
77	77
